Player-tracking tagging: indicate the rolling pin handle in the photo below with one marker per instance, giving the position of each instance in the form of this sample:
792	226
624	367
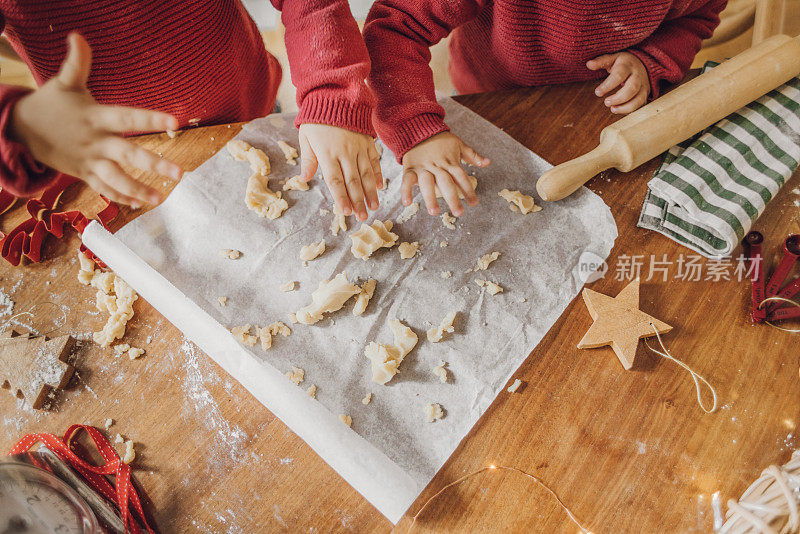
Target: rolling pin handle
563	180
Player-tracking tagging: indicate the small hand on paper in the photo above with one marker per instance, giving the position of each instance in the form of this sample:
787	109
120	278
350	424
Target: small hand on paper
350	166
64	128
626	70
437	162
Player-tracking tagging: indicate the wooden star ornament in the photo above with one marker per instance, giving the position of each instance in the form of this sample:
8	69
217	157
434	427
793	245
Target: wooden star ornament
619	322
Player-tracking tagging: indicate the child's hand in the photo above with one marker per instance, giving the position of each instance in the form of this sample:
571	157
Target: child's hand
437	162
350	166
626	70
64	128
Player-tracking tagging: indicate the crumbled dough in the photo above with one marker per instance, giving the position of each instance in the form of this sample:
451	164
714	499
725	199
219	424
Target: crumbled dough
346	419
330	296
445	274
523	203
366	400
120	349
288	286
86	271
294	184
314	250
229	253
448	221
238	149
119	439
243	151
339	222
433	412
386	359
443	244
408	250
242	333
486	260
172	134
515	386
266	333
108	424
440	371
370	238
323	211
130	454
222	301
134	353
259	198
312	391
436	333
104	281
289	152
472	180
117	298
296	375
408	212
363	298
491	287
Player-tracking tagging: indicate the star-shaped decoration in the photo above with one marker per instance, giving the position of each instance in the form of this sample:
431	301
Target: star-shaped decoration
619	322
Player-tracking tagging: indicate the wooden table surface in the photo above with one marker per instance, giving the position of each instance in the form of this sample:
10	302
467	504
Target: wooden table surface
627	451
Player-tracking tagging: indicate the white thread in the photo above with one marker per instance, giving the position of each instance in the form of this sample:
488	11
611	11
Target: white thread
695	376
780	299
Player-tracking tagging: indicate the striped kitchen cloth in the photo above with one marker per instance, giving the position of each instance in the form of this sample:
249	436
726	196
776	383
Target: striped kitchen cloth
710	189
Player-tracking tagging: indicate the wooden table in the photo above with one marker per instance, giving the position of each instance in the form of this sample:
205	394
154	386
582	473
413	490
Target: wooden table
627	451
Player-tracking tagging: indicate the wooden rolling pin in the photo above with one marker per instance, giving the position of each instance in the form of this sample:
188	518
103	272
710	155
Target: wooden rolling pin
678	115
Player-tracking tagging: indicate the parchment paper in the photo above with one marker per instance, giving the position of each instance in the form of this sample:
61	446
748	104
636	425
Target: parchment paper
171	257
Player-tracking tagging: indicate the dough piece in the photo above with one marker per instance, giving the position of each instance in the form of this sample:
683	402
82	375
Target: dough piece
265	334
296	375
116	297
408	212
323	211
119	439
515	386
433	412
294	184
443	244
129	454
121	348
346	419
445	274
339	222
437	333
289	153
386	359
312	391
491	287
408	250
104	281
440	372
314	250
230	253
108	424
222	301
330	296
370	238
366	400
288	286
486	260
172	134
242	333
86	271
448	221
264	202
524	203
472	180
238	149
134	353
363	298
259	161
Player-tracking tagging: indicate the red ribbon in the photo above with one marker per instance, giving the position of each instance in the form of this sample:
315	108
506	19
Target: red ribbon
27	238
122	492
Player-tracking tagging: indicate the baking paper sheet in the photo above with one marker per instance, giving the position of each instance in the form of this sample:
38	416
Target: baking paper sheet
171	257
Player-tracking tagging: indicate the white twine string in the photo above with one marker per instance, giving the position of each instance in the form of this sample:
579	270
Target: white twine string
696	377
780	299
57	324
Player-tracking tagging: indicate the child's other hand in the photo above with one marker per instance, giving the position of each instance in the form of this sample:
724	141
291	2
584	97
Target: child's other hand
437	162
350	166
626	70
64	128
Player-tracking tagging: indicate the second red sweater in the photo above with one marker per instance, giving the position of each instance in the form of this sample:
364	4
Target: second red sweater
503	44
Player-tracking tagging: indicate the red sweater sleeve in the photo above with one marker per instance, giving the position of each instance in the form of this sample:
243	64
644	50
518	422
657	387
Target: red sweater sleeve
668	53
329	64
399	35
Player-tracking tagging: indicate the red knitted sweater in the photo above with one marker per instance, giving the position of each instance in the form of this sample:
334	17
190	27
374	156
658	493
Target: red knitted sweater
501	44
201	59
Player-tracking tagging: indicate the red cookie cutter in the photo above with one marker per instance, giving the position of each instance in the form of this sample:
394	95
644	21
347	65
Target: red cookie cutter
773	311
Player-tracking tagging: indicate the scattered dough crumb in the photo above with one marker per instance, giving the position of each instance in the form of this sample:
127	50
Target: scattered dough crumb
120	349
446	274
117	298
448	221
515	386
440	371
370	238
265	334
259	198
363	298
222	301
314	250
119	439
289	152
288	286
134	353
294	184
491	287
86	271
346	419
408	212
436	333
472	180
408	250
387	358
312	391
433	412
486	260
339	222
130	454
108	424
172	134
323	211
296	375
366	400
523	203
443	244
242	333
229	253
330	296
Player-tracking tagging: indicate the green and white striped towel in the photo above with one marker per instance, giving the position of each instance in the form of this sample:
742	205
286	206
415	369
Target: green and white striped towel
710	189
